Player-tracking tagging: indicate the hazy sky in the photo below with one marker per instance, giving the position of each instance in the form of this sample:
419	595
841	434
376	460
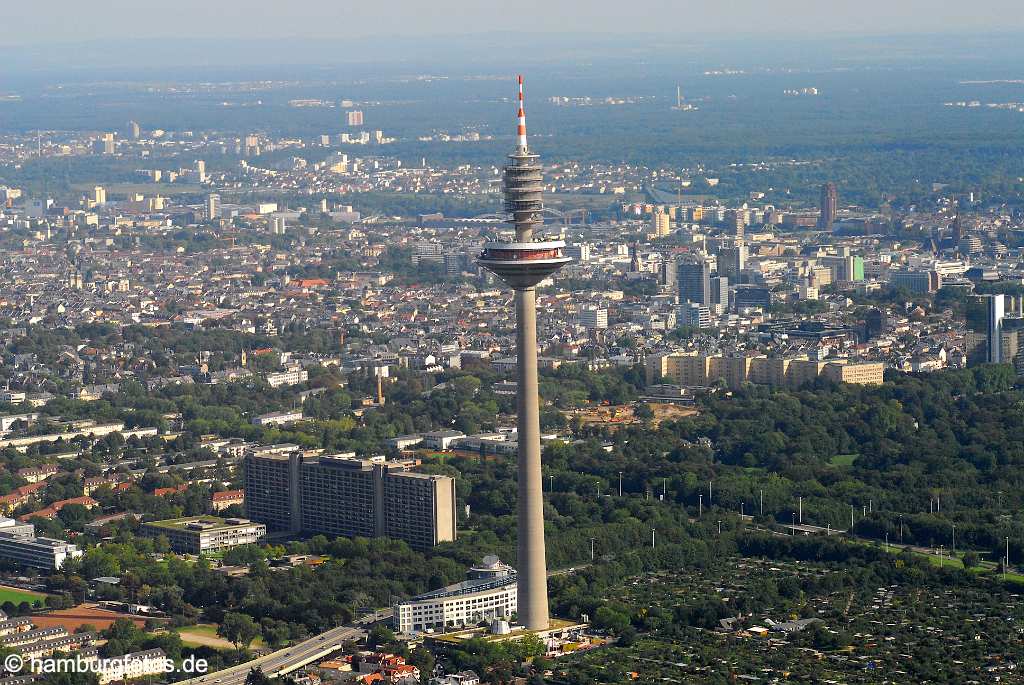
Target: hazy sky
74	20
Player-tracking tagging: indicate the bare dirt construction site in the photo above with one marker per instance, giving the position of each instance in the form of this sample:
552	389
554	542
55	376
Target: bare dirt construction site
83	614
613	416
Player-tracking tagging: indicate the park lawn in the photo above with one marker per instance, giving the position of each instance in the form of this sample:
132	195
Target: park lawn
208	629
17	596
843	459
206	632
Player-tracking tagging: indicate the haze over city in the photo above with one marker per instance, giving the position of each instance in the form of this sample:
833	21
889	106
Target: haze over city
326	19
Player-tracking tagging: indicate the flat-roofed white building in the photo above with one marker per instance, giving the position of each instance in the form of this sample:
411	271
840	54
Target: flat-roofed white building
19	544
198	534
489	594
132	666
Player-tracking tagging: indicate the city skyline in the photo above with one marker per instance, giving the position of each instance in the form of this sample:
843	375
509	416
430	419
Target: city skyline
311	359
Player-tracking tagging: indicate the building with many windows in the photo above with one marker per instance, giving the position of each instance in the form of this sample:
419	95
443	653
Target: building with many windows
594	318
292	376
271	486
490	594
198	534
19	544
689	369
694	280
344	496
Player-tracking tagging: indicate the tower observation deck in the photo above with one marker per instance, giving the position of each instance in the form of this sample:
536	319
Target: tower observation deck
525	262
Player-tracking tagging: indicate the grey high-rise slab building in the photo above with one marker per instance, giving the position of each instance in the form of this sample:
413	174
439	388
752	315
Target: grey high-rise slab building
342	496
829	205
694	279
522	264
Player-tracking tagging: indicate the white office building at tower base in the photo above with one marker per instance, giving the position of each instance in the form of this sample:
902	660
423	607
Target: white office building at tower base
490	594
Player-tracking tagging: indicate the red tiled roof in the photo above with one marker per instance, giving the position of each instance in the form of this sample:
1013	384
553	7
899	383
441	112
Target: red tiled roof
160	492
51	511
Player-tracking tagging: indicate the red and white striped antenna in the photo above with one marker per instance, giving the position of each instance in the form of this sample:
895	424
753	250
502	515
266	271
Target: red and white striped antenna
521	130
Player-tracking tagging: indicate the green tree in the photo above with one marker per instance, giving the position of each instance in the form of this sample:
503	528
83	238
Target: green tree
239	629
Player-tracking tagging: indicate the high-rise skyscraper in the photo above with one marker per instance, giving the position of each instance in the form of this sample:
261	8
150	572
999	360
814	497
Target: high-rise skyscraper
523	264
732	261
667	273
212	206
694	280
996	309
105	144
251	145
985	316
660	223
829	205
354	118
719	294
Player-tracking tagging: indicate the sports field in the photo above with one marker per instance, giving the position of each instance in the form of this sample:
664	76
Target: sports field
17	595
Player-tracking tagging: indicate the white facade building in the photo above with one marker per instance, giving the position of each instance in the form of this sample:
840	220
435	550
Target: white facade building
19	544
132	666
289	377
489	594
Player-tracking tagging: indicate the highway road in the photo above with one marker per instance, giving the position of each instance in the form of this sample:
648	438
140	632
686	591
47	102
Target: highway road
314	649
291	658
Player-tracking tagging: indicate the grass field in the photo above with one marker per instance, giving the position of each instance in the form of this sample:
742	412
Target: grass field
205	635
208	629
10	594
984	567
843	459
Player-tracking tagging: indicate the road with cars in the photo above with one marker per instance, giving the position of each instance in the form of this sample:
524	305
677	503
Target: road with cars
294	657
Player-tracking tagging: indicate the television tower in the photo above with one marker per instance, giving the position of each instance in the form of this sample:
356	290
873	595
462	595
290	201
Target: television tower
522	264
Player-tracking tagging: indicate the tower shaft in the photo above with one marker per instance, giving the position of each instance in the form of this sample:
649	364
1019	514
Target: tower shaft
532	563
